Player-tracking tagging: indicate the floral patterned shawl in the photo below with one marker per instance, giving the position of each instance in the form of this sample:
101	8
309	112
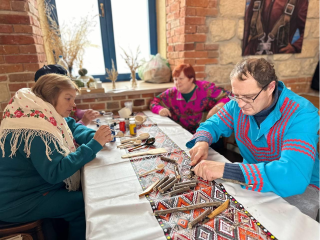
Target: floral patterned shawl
27	116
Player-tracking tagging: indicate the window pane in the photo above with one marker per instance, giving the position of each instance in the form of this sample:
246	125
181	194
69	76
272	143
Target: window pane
131	29
70	12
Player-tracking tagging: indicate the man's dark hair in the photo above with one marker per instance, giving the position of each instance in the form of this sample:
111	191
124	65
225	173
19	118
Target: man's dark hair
259	68
47	69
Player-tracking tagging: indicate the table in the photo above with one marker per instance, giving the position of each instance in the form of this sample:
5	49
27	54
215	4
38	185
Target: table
114	210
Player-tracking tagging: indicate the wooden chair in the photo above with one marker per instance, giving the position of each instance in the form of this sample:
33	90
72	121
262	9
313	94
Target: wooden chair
24	237
31	228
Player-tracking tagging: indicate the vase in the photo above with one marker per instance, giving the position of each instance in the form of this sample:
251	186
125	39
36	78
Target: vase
113	85
133	80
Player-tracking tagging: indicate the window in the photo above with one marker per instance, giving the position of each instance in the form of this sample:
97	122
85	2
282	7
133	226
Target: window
119	24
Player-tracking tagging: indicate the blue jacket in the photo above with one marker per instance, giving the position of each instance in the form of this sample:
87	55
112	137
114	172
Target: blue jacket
24	181
281	156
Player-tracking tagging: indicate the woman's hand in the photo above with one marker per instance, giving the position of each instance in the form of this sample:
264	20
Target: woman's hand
103	135
89	115
199	152
214	110
165	112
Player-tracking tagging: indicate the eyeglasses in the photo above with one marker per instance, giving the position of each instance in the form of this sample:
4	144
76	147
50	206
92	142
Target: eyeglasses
247	99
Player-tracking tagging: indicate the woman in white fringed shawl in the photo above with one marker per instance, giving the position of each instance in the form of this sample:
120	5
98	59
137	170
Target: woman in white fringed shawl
39	165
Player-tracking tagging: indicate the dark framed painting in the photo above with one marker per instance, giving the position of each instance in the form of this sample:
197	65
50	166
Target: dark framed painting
274	26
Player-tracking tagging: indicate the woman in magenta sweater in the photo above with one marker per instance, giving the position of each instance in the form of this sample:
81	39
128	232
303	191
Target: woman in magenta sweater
189	102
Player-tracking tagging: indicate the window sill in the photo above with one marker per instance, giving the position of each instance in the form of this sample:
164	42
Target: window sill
123	89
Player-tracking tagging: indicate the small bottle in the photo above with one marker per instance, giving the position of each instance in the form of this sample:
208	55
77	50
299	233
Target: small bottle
127	122
98	122
111	125
132	128
63	63
122	125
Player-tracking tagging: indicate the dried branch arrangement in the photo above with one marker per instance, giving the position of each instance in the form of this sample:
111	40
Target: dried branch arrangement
133	64
69	40
112	75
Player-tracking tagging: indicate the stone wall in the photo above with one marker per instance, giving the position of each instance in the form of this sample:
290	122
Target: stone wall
208	34
21	47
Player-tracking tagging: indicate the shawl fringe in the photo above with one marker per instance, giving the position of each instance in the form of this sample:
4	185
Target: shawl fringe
27	136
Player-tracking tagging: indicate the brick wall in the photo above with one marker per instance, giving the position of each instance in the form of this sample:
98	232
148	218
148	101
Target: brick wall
21	47
187	34
208	34
115	103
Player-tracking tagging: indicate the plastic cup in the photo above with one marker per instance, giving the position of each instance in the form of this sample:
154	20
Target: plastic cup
128	105
108	115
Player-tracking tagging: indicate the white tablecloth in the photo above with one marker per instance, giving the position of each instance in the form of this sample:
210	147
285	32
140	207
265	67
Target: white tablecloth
115	211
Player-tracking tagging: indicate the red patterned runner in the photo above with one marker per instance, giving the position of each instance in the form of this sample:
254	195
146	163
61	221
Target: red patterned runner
233	223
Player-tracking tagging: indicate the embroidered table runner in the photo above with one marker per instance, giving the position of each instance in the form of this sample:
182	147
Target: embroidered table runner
233	223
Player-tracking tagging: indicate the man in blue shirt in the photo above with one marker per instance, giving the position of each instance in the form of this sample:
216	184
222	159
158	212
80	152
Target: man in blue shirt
276	132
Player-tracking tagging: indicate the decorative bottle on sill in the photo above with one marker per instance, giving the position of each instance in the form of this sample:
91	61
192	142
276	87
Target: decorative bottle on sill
64	64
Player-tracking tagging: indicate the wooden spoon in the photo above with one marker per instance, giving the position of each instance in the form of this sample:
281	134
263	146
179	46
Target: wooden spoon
150	152
142	136
119	134
149	142
125	144
149	189
135	143
159	167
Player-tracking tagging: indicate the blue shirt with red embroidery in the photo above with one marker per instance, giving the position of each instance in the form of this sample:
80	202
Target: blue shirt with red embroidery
279	156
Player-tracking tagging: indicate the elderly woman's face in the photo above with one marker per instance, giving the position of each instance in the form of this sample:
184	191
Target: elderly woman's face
183	83
65	102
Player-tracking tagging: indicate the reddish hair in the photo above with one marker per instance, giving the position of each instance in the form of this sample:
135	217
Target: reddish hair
187	70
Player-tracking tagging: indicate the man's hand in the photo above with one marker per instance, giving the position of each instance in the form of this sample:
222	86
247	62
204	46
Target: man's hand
287	49
209	170
89	115
165	112
199	152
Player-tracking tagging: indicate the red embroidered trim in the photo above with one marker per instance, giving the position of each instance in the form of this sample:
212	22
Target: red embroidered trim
272	152
247	174
298	150
271	141
306	143
254	177
260	178
312	185
203	134
223	120
296	146
226	112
